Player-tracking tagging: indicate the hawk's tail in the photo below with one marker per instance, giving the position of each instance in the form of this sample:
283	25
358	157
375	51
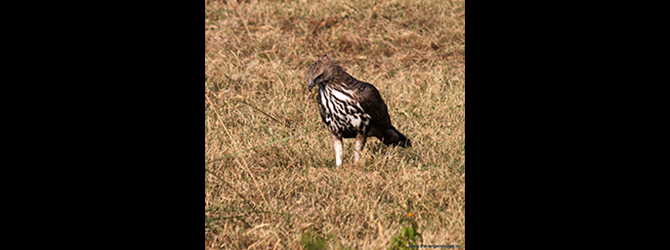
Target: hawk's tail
395	138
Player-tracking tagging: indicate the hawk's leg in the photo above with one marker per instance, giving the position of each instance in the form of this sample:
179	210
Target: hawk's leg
339	150
359	144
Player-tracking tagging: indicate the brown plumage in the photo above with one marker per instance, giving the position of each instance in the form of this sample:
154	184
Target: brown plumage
351	108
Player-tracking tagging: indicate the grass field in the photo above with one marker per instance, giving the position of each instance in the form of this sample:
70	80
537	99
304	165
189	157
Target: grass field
270	181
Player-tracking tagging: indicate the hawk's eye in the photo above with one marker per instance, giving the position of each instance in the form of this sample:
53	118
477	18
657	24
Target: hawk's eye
320	76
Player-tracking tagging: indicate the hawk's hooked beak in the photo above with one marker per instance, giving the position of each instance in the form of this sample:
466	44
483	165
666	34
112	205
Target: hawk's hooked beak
311	85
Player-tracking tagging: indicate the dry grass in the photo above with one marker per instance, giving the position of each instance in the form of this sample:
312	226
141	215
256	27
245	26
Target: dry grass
269	176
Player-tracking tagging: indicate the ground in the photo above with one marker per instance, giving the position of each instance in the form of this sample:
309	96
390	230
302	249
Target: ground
270	180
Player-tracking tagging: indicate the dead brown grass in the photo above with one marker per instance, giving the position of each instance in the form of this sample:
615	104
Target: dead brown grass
269	177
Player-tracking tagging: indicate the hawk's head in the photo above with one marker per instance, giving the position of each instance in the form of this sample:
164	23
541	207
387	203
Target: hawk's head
320	72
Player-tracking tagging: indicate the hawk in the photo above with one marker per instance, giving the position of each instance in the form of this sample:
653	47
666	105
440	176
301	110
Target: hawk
351	108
